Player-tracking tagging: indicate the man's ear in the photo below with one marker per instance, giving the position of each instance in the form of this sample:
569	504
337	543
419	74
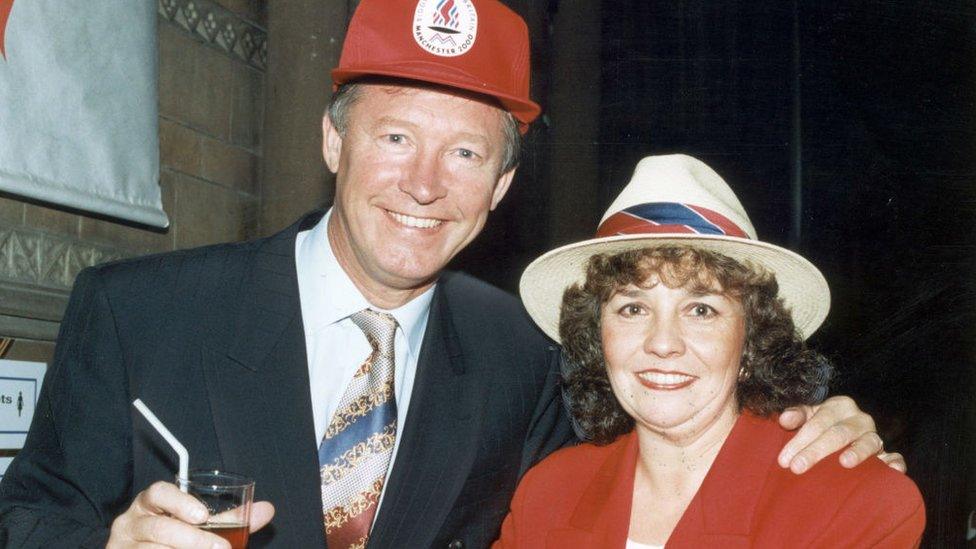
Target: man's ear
501	187
331	144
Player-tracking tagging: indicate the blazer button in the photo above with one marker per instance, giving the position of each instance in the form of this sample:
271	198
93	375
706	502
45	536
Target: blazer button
455	544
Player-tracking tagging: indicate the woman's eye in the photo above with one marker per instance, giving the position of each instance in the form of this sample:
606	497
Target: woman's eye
467	153
396	138
631	309
700	309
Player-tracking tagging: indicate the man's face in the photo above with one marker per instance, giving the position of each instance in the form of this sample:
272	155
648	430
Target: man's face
417	173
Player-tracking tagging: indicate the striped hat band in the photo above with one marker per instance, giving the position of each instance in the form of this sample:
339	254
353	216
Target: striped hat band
668	218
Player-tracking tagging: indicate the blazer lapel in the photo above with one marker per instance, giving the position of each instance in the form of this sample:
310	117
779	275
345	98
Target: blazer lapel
259	393
602	515
439	438
722	513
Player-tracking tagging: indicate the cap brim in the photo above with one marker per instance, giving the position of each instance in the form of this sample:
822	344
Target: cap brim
801	285
523	110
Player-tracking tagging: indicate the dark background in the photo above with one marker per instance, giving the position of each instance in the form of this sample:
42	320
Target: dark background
847	130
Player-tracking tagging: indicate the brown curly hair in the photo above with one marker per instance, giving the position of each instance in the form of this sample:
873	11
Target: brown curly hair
779	370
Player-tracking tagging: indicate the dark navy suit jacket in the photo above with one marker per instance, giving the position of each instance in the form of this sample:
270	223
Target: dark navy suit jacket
211	339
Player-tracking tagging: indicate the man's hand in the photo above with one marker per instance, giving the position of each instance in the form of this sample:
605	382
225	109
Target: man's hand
835	424
163	516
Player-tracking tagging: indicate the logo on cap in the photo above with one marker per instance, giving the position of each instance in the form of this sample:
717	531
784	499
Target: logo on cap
446	28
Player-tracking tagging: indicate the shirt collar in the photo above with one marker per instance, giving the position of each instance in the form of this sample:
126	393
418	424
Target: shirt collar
334	296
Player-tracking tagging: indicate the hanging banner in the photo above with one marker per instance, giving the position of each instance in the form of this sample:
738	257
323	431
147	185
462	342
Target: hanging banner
78	106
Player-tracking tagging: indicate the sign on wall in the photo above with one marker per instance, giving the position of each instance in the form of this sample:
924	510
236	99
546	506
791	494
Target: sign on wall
20	385
78	106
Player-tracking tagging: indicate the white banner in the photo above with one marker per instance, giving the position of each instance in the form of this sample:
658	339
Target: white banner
78	105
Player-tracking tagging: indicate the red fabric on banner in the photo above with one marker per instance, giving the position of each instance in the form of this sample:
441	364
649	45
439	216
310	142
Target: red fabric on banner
5	6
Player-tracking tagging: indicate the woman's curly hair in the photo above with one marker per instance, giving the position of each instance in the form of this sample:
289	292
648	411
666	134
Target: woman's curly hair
778	370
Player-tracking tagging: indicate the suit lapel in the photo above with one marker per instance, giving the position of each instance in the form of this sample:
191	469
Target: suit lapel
722	513
259	393
439	438
602	514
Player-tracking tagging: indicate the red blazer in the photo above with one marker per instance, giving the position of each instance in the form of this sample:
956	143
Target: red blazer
581	497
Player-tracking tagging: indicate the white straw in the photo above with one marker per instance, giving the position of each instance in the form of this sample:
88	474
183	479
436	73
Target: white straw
177	446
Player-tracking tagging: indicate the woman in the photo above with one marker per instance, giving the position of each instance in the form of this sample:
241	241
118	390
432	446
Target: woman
685	335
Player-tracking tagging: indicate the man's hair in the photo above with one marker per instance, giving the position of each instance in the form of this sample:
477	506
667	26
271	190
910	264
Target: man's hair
347	95
778	370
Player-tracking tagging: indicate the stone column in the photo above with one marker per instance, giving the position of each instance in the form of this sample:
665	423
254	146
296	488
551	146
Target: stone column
574	109
304	43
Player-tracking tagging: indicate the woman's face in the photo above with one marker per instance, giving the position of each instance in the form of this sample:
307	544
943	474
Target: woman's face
673	355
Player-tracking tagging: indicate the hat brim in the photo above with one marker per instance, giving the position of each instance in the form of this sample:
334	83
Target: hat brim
523	110
801	285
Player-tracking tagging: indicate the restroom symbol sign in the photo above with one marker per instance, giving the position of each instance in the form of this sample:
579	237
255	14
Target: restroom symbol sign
20	386
18	397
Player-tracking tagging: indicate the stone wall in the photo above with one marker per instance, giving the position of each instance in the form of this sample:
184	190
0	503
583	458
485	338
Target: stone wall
212	60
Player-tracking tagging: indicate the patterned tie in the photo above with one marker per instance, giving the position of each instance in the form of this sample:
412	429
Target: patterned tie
356	449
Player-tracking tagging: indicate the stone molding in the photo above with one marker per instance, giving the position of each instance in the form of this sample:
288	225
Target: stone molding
46	261
220	28
37	271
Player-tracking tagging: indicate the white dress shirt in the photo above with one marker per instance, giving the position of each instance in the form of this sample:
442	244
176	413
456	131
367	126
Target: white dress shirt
336	347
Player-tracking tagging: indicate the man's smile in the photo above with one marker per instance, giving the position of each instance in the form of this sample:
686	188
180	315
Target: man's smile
414	222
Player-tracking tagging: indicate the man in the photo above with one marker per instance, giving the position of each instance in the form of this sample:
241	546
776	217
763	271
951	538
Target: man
251	353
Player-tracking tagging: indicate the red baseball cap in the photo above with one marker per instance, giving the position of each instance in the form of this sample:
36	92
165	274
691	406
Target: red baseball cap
474	45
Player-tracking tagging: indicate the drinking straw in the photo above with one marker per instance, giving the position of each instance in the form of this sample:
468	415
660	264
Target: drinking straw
180	450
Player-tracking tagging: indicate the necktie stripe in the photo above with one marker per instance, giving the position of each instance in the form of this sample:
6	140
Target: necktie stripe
357	457
371	424
364	385
358	503
353	495
349	414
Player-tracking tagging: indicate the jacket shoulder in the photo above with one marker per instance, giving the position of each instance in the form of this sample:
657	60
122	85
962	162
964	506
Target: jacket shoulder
161	264
872	480
460	286
214	258
185	290
194	272
862	506
478	306
873	504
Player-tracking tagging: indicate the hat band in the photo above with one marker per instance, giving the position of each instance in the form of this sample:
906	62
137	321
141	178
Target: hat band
668	217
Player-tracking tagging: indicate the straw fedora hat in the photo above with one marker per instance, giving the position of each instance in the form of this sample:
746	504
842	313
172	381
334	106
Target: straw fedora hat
675	200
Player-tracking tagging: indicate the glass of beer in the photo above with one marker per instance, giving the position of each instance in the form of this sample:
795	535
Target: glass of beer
228	498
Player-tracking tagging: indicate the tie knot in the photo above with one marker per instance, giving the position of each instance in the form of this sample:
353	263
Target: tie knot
379	328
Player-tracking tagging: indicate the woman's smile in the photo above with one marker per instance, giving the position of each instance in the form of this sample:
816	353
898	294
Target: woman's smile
659	380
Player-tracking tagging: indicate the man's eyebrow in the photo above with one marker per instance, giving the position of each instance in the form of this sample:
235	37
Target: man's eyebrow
391	121
474	137
461	134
